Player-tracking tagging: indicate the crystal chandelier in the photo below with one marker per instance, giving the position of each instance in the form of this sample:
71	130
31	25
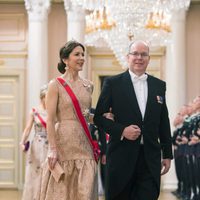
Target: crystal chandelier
99	23
146	19
99	20
158	20
118	22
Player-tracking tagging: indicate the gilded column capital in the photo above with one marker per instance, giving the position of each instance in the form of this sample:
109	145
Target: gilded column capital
75	12
37	9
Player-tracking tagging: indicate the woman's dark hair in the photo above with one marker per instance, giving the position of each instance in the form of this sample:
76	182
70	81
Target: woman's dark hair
65	52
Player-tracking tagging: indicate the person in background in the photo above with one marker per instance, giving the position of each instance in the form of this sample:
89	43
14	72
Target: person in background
37	152
100	136
180	152
186	149
140	132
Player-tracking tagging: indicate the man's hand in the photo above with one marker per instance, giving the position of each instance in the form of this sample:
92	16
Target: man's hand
193	140
103	159
165	166
109	115
131	132
184	140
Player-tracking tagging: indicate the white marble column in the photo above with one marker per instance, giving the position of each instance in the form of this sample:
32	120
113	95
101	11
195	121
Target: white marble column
175	73
76	26
37	69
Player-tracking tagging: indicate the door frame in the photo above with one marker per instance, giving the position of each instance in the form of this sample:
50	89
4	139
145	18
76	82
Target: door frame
20	73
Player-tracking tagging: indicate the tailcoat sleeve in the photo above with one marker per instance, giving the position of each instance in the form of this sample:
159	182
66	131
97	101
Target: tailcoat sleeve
165	132
113	128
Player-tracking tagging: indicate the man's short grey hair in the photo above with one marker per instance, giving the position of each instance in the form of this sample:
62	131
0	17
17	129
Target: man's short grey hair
136	42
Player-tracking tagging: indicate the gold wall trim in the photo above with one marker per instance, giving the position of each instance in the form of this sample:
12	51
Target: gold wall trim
13	55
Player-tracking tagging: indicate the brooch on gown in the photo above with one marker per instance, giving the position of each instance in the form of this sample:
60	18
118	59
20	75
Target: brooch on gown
88	85
86	114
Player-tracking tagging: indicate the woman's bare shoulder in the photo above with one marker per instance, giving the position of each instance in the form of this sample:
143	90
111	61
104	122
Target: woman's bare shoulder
53	85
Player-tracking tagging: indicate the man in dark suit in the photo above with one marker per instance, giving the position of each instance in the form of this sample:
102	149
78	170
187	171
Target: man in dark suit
140	149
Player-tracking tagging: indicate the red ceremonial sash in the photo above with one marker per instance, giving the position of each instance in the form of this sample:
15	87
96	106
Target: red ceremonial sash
40	118
94	144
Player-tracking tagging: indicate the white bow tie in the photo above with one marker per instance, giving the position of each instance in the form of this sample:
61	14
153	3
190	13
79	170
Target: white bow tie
140	78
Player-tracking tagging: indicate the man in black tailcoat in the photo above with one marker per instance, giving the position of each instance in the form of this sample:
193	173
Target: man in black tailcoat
139	149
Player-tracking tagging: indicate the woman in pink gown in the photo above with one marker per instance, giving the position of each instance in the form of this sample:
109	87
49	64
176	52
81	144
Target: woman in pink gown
37	152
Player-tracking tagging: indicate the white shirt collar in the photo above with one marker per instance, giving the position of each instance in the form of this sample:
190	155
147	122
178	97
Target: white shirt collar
134	76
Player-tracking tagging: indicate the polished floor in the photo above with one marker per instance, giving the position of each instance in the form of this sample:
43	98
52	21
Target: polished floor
16	195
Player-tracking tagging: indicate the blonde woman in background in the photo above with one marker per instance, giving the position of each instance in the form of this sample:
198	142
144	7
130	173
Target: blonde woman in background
37	152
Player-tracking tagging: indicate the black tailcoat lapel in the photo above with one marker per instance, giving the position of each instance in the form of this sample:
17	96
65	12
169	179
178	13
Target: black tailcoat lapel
149	97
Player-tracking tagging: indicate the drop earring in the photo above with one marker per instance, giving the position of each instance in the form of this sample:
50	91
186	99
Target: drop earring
67	67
